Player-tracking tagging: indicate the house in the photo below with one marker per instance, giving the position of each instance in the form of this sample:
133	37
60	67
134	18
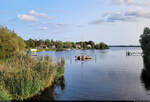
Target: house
78	46
44	46
33	49
89	46
53	47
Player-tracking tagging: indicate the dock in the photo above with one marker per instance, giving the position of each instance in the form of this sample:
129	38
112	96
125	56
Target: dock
130	53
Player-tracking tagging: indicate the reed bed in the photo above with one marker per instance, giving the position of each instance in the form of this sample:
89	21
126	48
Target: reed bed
23	76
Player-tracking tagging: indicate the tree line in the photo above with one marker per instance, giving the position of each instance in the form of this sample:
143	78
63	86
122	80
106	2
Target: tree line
59	44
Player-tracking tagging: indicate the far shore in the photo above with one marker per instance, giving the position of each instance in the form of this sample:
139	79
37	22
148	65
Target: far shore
124	46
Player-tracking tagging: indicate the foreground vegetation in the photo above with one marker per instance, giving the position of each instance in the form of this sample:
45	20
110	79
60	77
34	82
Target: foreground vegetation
23	76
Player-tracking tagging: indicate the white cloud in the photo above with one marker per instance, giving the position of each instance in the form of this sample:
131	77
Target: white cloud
130	15
32	16
124	1
42	15
142	13
115	17
132	2
42	28
34	13
118	16
24	17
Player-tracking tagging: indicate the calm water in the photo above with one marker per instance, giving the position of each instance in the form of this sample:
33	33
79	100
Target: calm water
110	75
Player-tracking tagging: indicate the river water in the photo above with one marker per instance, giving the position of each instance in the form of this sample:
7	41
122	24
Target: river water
109	75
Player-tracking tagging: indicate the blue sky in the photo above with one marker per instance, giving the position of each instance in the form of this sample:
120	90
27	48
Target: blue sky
111	21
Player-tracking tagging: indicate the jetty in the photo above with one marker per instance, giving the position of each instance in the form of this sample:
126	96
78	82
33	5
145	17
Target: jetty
130	53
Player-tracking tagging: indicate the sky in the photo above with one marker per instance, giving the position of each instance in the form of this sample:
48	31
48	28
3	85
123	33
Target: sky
115	22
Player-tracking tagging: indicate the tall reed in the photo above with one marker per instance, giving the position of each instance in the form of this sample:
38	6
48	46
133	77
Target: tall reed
22	76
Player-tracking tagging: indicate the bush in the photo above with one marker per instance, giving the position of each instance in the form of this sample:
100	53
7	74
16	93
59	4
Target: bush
101	46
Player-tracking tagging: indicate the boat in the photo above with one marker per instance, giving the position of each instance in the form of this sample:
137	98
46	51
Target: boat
82	57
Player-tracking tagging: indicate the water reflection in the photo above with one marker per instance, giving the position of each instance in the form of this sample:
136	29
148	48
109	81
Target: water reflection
145	75
145	78
109	75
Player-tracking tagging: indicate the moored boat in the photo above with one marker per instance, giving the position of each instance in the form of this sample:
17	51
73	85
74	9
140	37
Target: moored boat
82	57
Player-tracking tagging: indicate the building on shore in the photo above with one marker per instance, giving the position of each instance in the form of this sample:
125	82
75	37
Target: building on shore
89	46
78	46
33	51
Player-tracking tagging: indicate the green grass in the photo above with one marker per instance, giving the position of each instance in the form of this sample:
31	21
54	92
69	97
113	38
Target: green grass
4	96
23	77
40	50
60	49
56	49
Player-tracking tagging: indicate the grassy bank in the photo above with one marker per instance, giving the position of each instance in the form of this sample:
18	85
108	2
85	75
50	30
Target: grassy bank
23	77
56	49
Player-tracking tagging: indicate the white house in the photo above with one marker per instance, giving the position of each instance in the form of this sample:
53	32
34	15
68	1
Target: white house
33	50
89	46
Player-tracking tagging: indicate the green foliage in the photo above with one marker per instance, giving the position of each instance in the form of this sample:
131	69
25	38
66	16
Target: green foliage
10	43
4	96
60	70
60	46
67	44
101	45
145	45
60	49
40	50
145	41
23	76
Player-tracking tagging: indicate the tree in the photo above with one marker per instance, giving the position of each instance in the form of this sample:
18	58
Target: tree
10	43
97	46
59	44
47	43
146	30
67	44
101	45
84	45
31	43
145	43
